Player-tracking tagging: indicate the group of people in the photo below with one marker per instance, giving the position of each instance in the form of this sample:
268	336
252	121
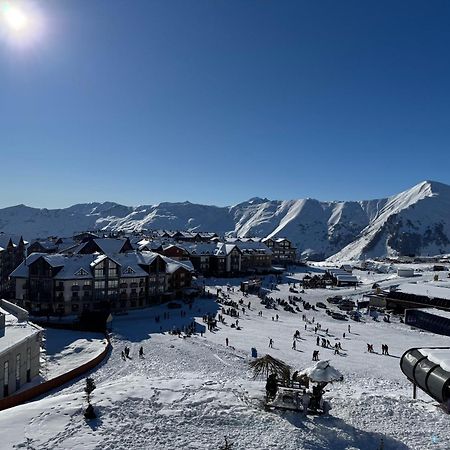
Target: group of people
384	349
126	352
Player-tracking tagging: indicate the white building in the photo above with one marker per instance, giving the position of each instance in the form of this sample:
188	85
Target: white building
19	348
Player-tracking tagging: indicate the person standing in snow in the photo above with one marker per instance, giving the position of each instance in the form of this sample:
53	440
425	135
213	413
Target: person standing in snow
305	401
270	343
141	352
294	345
226	341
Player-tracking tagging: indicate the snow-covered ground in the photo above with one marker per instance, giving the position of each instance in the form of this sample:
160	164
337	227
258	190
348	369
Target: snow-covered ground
191	392
65	350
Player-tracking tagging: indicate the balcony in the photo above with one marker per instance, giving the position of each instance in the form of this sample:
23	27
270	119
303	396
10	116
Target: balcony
59	288
87	287
123	285
134	285
75	288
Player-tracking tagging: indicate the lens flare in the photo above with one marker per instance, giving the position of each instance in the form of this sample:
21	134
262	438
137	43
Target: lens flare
14	18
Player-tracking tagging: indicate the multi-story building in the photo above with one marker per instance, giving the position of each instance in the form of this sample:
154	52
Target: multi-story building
256	256
70	284
19	349
282	250
217	259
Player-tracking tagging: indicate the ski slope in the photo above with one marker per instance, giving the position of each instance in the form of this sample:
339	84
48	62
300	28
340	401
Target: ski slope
191	392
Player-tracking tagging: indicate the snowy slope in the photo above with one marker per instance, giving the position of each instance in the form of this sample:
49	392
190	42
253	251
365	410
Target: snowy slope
416	221
190	393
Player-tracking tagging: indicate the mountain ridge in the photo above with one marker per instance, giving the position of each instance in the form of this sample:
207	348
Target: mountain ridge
415	221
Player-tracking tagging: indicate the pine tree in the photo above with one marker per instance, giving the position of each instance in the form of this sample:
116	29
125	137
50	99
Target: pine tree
89	388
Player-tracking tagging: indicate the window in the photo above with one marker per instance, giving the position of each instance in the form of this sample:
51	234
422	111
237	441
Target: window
129	271
5	378
113	283
28	365
81	273
99	284
18	371
112	272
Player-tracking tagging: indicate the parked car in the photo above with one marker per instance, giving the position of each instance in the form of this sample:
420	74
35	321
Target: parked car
338	316
334	300
321	305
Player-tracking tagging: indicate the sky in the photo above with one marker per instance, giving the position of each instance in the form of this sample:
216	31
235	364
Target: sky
218	101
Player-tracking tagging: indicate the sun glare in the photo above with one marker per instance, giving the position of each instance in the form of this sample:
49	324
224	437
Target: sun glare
22	24
14	18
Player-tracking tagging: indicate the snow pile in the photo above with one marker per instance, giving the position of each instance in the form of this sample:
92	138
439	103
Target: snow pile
322	371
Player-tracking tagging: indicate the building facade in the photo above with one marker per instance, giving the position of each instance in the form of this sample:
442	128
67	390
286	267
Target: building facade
71	284
20	343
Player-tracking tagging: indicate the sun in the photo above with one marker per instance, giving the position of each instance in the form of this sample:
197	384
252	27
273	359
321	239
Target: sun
14	18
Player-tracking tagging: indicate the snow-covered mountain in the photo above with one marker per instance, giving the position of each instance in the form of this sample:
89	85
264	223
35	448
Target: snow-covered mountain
416	221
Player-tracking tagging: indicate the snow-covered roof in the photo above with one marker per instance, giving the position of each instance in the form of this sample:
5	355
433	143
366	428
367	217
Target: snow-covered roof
322	372
253	247
425	289
347	278
224	249
173	266
15	331
110	245
201	248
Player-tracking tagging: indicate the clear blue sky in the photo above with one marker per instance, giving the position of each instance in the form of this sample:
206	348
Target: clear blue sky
217	101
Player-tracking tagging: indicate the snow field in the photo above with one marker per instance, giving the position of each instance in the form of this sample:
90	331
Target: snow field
190	393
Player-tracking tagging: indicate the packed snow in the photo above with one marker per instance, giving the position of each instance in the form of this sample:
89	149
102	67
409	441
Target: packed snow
191	392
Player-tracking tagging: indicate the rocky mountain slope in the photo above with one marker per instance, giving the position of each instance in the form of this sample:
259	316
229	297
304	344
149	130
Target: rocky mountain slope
416	221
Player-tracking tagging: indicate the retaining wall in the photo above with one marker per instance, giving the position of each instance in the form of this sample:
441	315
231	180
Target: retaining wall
46	386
